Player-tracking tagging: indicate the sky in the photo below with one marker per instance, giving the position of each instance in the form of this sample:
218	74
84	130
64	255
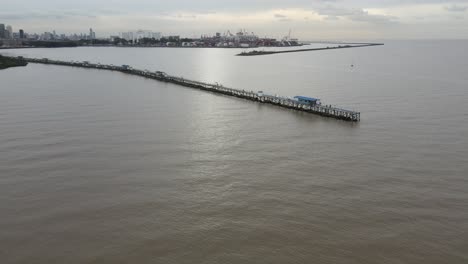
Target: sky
307	19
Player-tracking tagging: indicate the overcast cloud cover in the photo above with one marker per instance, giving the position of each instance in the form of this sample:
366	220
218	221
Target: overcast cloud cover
311	19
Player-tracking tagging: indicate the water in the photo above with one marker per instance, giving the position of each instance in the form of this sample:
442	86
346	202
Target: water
102	167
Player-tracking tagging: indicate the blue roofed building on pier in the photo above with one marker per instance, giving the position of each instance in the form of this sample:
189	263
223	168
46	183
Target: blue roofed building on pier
126	67
307	100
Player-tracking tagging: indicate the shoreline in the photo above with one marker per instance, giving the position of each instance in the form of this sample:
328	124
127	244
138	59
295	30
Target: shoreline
138	46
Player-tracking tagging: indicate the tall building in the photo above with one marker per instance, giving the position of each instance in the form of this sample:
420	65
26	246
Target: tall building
2	31
9	32
127	35
130	36
21	34
47	36
156	35
92	34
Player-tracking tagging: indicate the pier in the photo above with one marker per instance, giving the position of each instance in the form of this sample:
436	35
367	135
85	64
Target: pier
299	103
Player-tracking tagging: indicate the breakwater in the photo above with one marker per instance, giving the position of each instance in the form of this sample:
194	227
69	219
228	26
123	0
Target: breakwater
260	52
7	62
286	102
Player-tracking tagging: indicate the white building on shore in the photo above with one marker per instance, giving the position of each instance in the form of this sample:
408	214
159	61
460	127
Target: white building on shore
139	34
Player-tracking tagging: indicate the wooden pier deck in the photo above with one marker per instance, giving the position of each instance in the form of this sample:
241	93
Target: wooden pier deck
281	101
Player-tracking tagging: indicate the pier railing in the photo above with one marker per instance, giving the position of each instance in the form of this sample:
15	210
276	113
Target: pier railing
285	102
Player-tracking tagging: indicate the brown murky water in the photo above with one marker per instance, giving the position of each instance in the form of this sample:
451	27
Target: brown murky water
101	167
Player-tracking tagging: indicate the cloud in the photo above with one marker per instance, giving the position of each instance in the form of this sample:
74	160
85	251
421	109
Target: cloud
458	17
364	16
31	15
332	18
280	16
41	15
354	14
456	8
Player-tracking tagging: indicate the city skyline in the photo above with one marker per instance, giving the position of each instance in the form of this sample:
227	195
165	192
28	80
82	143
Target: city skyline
147	38
309	20
6	32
